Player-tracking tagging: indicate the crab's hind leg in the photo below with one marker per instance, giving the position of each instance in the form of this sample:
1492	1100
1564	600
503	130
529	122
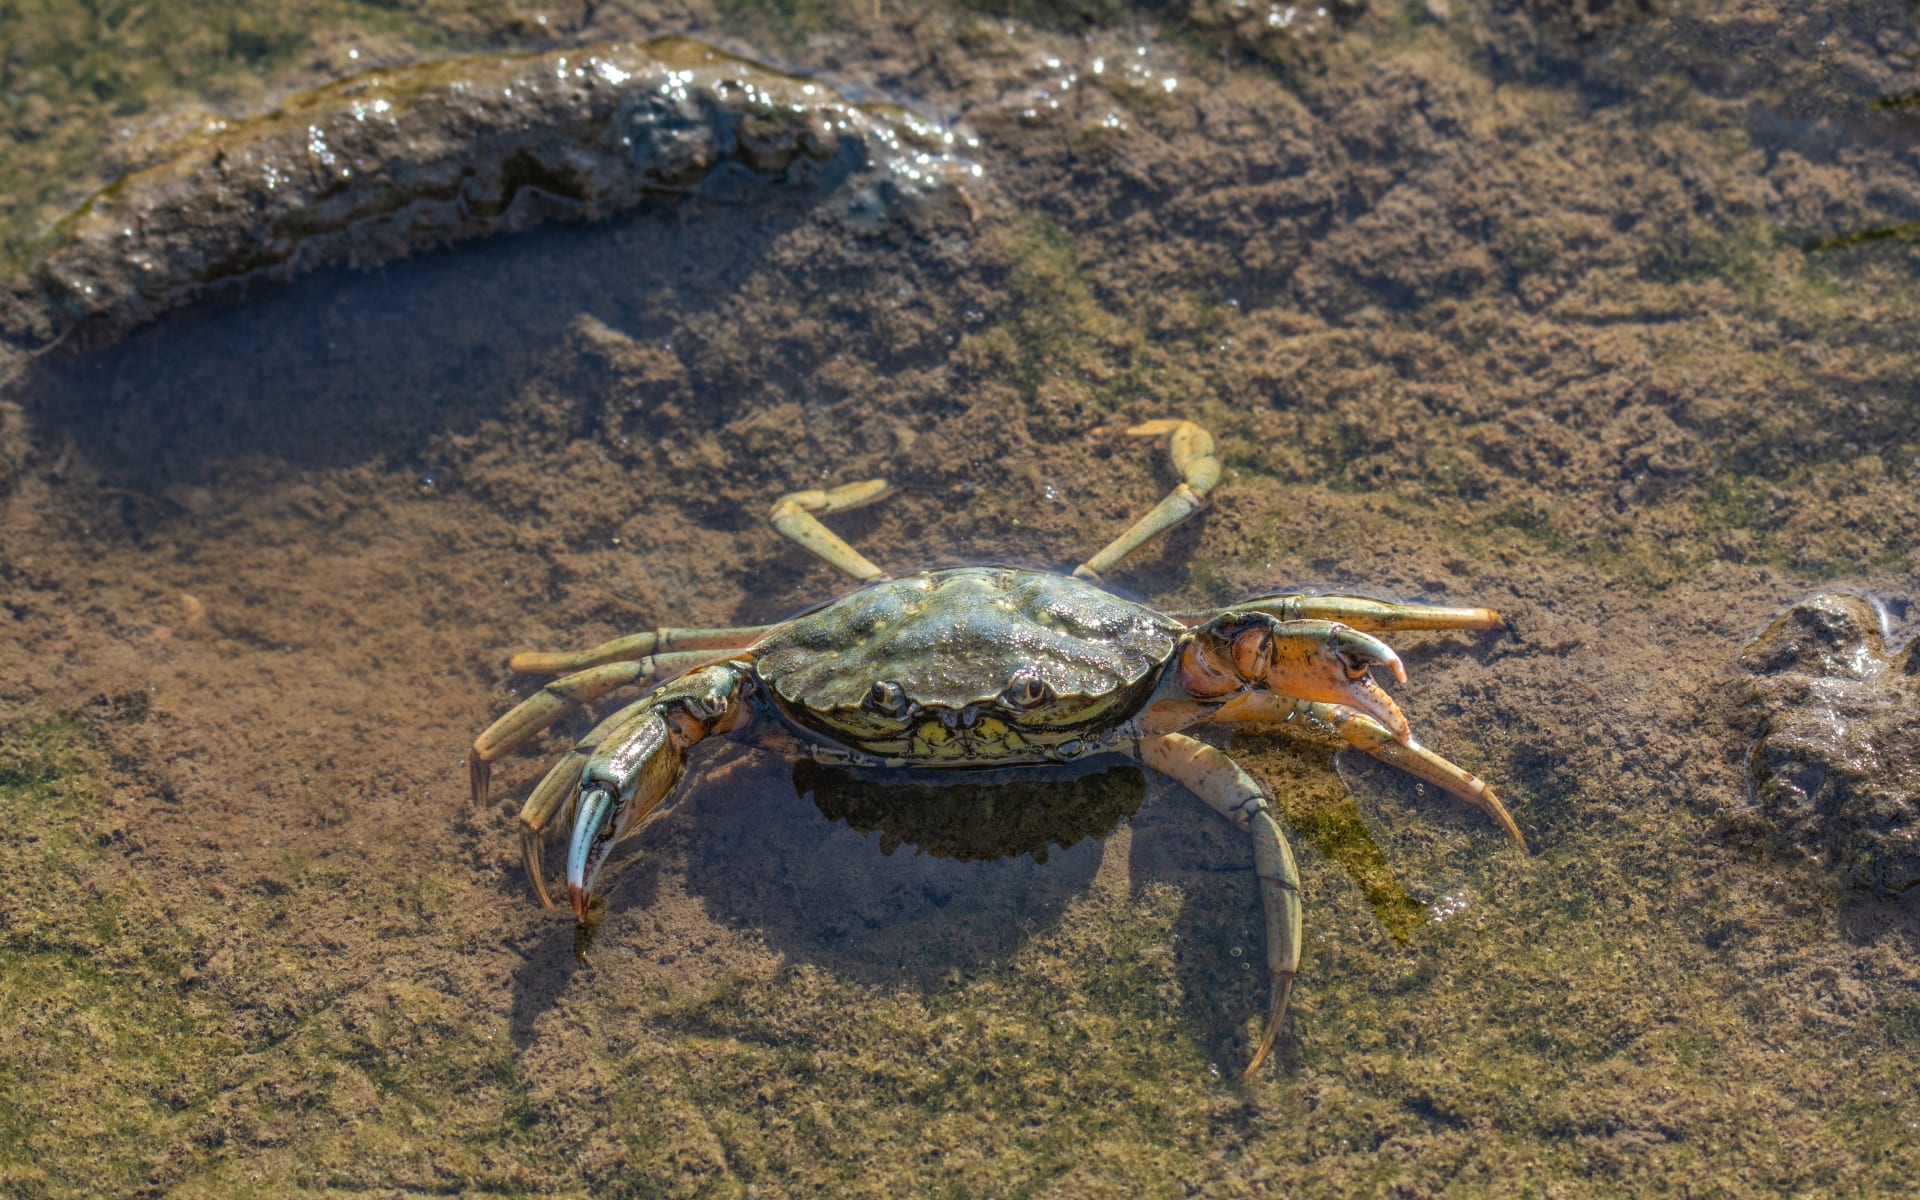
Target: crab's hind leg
1227	788
556	699
639	760
1363	613
1193	457
793	515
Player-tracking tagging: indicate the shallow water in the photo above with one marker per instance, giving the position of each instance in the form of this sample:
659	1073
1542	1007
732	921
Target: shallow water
1599	316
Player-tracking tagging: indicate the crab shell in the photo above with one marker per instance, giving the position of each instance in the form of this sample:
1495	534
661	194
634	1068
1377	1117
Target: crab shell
968	666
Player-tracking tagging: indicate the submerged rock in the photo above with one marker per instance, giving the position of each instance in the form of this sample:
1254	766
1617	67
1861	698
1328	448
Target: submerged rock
1836	766
398	160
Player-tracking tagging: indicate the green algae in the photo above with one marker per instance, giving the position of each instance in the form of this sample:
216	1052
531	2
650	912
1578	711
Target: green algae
121	1062
1908	231
74	70
1056	327
105	1052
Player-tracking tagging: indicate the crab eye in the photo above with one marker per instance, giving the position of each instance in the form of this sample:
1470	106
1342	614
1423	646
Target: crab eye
1025	691
887	698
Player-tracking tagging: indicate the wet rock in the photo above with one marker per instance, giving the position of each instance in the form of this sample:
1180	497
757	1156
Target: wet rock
1287	34
398	160
1836	765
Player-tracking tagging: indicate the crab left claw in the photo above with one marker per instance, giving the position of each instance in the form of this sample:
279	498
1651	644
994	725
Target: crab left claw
1333	663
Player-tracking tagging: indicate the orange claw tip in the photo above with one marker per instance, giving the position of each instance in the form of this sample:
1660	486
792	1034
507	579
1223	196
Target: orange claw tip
1358	651
579	898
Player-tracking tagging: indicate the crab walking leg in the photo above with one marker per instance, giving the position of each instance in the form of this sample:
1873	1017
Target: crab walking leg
636	646
1193	457
1363	613
555	789
793	516
1209	774
1364	732
558	698
641	760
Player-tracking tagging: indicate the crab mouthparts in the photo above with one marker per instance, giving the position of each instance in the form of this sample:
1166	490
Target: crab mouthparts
587	852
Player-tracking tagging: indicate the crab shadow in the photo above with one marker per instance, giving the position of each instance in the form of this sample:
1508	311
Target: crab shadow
889	880
924	880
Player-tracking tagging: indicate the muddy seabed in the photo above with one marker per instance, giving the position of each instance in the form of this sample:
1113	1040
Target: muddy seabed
1558	309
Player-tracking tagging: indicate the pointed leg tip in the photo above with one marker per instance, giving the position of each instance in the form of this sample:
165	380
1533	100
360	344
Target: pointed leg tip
1490	803
530	847
1264	1049
479	779
1276	1014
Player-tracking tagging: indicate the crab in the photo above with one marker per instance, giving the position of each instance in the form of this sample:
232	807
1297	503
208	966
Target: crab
987	666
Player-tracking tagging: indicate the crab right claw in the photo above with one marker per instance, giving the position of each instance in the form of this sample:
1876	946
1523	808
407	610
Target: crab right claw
1359	652
1331	663
593	838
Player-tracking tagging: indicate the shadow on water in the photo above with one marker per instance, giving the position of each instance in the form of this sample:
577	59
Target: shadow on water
924	879
889	881
546	970
343	366
822	892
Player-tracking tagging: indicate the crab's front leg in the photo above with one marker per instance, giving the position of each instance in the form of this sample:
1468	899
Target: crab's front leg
1362	732
635	763
1364	613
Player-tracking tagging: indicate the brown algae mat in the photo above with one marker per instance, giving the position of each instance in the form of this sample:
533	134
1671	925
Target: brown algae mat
1536	307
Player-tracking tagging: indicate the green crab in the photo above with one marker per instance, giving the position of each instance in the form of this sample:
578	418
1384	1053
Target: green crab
987	667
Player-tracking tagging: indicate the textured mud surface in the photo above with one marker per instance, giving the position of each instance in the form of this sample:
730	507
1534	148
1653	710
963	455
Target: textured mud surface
1836	763
1499	304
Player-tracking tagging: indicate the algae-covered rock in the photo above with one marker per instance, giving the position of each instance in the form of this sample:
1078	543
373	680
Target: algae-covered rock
1836	767
393	161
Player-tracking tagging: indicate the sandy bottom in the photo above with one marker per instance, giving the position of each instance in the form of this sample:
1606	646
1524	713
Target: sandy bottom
1477	314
